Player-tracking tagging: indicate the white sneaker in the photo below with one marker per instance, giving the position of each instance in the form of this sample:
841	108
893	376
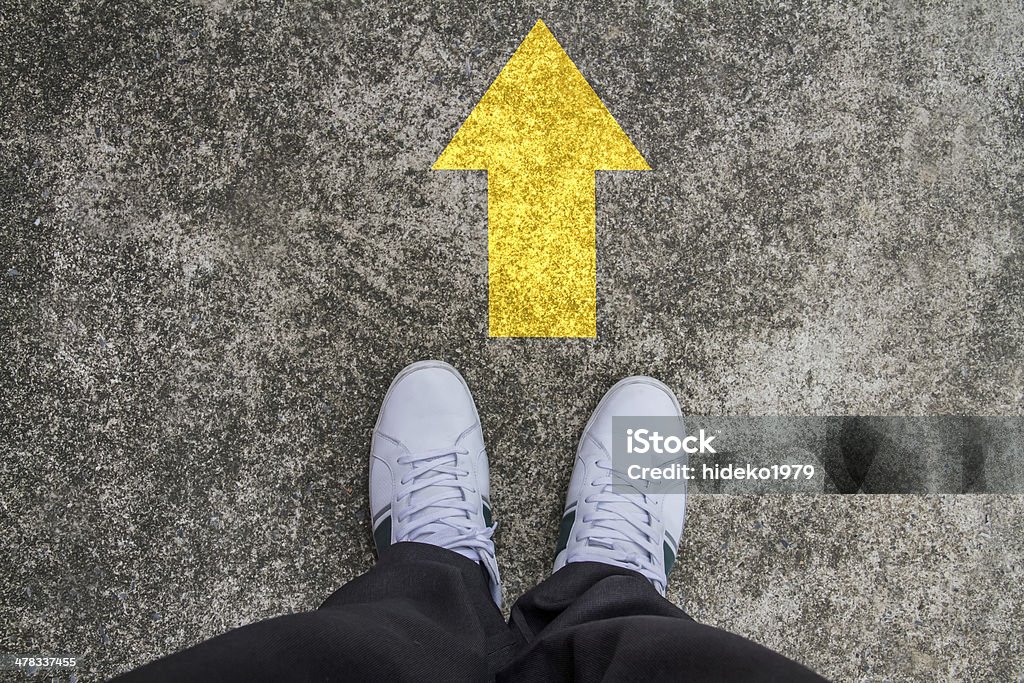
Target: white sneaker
636	531
428	468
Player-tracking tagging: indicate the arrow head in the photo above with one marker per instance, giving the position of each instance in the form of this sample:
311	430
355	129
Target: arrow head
540	112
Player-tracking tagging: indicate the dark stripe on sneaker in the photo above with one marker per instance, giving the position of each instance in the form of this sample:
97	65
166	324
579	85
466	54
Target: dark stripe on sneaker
488	518
383	510
382	534
670	557
564	529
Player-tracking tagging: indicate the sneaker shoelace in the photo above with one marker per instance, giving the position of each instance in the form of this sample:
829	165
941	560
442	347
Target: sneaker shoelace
445	516
622	528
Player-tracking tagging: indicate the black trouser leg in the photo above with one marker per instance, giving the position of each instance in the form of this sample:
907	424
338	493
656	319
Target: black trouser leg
421	613
595	622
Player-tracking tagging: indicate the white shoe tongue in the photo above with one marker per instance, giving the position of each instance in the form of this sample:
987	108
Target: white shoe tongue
427	472
618	530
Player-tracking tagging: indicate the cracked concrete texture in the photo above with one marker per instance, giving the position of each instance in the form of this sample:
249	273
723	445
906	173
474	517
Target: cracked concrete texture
220	240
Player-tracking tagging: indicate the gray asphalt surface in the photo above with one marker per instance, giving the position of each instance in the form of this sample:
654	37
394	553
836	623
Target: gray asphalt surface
219	239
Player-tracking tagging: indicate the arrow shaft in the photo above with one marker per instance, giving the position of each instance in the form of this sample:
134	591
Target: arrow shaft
541	253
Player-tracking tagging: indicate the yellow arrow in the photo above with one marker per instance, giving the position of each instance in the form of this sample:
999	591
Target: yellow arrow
540	131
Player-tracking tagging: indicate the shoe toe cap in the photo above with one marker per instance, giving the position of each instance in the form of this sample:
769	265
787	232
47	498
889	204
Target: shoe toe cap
632	397
640	396
428	406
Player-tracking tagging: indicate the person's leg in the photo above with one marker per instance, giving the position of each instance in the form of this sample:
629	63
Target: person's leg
429	609
592	621
602	615
421	613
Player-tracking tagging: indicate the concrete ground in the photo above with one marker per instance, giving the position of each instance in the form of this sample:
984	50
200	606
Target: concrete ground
220	240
